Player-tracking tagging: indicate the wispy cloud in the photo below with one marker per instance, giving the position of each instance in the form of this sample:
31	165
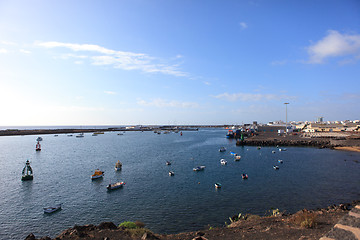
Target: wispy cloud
279	63
334	44
250	97
7	43
99	55
3	50
243	25
162	103
110	92
24	51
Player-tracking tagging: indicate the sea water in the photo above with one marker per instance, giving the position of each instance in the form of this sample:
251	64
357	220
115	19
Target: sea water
308	178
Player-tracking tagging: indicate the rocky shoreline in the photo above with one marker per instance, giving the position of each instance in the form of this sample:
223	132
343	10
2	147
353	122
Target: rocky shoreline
304	224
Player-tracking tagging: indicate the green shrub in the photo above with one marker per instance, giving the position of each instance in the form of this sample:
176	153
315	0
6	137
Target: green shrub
128	225
306	219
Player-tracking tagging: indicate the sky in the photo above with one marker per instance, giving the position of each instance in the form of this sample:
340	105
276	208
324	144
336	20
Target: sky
141	62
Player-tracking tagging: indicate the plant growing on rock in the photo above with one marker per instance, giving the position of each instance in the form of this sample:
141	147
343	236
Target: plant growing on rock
306	219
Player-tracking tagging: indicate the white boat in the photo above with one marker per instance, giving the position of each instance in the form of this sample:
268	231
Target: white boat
273	151
217	185
276	167
115	186
97	174
168	163
118	165
244	176
200	168
39	139
52	208
223	162
80	135
27	172
222	149
171	173
282	149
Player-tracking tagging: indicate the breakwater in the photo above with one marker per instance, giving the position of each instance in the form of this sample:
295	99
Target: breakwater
282	142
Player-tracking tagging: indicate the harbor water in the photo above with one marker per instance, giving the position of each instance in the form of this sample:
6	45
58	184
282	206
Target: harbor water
307	178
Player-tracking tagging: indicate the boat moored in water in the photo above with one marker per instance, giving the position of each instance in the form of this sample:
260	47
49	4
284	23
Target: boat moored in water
52	208
118	165
280	161
223	162
39	139
199	168
282	149
237	158
38	146
97	174
244	176
222	149
217	185
171	173
27	173
114	186
168	163
276	167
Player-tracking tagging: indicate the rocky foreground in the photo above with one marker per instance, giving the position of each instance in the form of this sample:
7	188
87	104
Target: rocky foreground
305	224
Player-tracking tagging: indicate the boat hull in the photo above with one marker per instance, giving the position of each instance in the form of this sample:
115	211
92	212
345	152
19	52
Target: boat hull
97	177
52	209
27	178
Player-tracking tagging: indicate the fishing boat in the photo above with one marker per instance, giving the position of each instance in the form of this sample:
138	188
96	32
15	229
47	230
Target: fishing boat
258	148
217	185
282	149
199	168
168	163
222	149
38	146
120	134
223	162
118	165
81	135
232	153
171	173
230	134
273	151
244	176
280	161
52	208
237	158
114	186
39	139
276	167
27	173
97	174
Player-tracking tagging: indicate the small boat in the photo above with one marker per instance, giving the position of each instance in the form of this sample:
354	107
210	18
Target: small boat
282	149
258	148
280	161
200	168
94	134
120	134
70	135
97	174
244	176
114	186
217	185
81	135
232	153
27	173
237	158
273	151
223	162
38	146
39	139
168	163
118	165
52	208
171	173
222	149
56	135
276	167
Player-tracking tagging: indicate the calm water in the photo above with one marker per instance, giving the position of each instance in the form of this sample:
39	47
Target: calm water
308	178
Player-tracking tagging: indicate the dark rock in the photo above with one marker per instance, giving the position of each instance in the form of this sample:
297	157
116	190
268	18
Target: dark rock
107	225
150	236
45	238
89	227
200	233
30	237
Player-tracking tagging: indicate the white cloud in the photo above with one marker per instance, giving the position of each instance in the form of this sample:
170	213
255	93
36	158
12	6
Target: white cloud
7	43
278	63
248	97
110	92
161	103
3	50
119	59
243	25
24	51
334	44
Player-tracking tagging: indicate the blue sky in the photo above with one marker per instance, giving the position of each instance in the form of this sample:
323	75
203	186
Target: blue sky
178	62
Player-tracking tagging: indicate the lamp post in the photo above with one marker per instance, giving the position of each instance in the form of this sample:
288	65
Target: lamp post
286	116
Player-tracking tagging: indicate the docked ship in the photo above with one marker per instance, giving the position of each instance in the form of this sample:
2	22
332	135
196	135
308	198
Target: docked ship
27	173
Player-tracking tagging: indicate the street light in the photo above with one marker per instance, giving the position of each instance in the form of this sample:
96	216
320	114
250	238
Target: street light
286	117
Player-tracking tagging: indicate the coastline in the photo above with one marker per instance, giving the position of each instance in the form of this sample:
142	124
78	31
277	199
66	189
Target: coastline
278	225
353	148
